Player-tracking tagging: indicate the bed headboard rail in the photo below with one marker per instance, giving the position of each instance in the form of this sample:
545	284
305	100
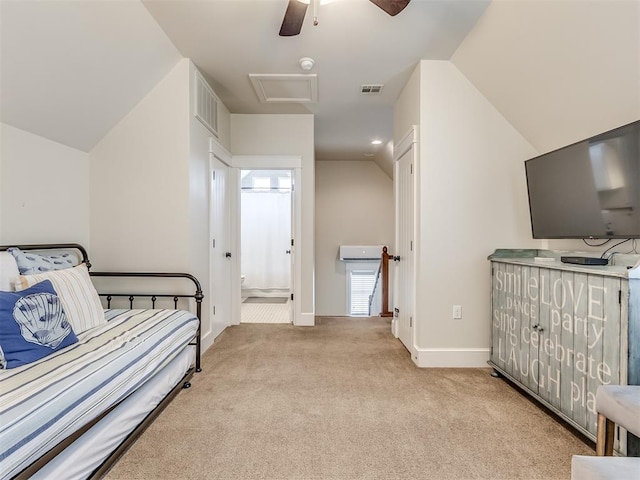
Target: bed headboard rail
53	246
198	295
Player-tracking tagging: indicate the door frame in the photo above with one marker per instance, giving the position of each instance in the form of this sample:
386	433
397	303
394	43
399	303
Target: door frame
266	162
218	152
409	142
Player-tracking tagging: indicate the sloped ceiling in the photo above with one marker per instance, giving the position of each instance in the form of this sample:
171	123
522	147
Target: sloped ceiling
559	71
70	70
354	43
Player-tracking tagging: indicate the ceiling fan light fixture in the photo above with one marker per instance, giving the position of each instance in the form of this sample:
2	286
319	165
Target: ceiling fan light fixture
296	10
322	2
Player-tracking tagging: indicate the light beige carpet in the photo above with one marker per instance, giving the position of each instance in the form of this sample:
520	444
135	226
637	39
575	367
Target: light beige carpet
343	401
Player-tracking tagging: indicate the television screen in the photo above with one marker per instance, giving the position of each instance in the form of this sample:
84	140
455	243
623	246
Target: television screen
590	189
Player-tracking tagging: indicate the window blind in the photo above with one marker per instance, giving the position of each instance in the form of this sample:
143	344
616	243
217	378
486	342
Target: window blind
361	285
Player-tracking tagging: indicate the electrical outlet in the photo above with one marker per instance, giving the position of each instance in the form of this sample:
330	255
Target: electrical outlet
457	312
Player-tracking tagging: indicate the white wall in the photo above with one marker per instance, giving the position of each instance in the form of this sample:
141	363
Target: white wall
286	135
558	71
384	159
150	190
472	200
44	190
406	110
199	213
354	206
72	70
140	183
547	74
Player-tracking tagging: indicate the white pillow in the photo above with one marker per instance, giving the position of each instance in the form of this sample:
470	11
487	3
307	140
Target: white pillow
79	298
8	271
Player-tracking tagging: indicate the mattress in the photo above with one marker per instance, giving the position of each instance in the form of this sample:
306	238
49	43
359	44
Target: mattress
46	401
80	459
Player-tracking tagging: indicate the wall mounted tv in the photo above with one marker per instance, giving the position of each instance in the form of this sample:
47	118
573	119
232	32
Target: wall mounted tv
590	189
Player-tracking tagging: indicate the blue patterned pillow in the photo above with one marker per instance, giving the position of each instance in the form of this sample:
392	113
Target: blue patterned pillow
31	263
32	325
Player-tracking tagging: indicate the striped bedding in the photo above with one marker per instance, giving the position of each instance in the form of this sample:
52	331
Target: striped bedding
46	401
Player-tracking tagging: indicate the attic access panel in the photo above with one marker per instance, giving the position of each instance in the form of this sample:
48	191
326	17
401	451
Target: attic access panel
287	88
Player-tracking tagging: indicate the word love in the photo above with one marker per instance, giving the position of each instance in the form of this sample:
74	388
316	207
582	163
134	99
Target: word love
558	294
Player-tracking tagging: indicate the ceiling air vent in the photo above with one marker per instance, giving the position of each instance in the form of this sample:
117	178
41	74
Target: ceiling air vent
371	89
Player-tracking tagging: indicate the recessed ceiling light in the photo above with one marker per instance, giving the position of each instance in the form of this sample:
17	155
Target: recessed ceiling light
376	142
368	154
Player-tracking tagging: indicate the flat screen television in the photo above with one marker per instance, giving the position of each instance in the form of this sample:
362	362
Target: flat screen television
590	189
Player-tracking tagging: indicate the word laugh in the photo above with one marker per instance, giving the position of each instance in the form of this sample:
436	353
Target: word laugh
548	326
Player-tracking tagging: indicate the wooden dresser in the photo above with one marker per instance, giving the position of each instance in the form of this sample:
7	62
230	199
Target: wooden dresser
559	330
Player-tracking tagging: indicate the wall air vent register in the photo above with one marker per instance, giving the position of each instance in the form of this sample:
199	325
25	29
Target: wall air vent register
205	104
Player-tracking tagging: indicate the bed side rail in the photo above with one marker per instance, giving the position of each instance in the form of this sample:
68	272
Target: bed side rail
198	296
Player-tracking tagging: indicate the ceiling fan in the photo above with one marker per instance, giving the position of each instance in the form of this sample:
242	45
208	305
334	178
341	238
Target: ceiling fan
296	10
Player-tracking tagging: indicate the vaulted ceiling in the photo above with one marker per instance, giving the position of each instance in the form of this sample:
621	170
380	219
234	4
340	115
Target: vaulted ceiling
355	43
72	69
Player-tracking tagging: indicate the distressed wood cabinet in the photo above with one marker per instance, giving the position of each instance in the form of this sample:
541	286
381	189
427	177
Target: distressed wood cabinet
559	331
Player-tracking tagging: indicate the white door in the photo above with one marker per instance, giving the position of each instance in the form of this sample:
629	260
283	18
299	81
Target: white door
404	284
220	295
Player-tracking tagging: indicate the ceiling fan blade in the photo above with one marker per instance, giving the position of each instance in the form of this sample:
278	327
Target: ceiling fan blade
293	18
392	7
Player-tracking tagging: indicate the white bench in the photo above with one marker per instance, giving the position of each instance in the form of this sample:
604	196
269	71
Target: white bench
616	405
605	468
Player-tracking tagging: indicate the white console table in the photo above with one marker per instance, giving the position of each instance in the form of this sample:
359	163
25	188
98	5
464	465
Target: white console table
558	331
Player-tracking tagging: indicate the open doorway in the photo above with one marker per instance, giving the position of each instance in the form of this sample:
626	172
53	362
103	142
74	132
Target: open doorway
265	245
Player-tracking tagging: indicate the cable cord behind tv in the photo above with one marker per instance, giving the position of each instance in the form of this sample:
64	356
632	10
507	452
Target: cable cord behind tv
633	248
596	244
604	258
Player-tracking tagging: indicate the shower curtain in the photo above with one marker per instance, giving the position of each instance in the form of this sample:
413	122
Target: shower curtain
265	238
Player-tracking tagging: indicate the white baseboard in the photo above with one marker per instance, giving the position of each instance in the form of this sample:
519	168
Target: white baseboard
394	327
451	357
306	320
209	338
206	341
264	292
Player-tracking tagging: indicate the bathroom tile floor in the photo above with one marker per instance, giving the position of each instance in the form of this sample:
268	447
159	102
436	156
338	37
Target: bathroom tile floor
266	312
